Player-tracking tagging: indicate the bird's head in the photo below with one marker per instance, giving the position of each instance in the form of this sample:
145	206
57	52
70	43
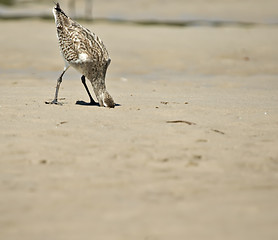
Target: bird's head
106	100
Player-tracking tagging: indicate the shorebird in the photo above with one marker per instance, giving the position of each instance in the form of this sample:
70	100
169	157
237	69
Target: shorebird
85	52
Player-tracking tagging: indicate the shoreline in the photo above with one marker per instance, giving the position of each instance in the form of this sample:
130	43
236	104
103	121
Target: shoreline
175	11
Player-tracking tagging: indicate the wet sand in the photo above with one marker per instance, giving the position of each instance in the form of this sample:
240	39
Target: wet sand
191	152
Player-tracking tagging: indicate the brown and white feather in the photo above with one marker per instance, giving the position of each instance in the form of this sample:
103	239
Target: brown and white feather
83	50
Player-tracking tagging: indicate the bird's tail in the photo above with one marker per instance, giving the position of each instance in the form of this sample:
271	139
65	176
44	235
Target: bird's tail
60	17
57	7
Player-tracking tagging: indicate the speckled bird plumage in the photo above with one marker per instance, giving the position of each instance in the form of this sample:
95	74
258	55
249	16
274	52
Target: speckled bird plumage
84	51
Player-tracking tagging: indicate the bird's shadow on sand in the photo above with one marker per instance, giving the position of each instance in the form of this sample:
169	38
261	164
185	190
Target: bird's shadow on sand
83	103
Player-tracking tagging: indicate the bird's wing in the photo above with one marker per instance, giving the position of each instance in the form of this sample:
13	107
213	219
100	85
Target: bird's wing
87	46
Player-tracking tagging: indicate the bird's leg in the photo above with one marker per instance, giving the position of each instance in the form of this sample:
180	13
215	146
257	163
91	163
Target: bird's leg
59	81
83	80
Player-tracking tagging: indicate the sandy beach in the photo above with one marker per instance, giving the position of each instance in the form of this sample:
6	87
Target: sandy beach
190	152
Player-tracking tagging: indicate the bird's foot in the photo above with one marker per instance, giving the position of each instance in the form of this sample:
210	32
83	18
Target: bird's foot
55	101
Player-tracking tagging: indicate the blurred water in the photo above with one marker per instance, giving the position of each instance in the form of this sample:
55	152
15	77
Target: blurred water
173	13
